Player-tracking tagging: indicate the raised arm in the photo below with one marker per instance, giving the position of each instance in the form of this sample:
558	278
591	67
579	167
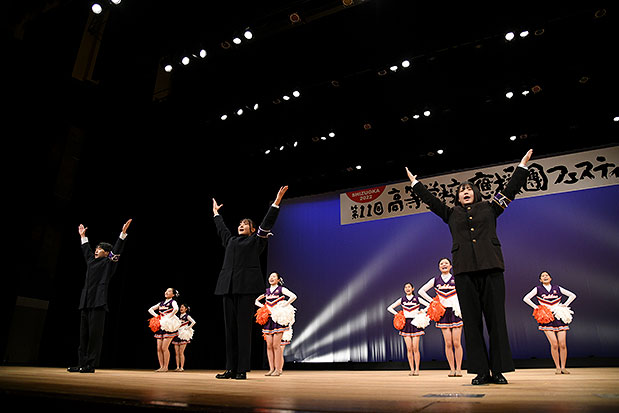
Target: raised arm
264	230
502	199
436	205
86	250
223	231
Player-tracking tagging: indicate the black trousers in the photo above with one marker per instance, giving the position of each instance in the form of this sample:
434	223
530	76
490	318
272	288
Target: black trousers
92	323
482	297
239	310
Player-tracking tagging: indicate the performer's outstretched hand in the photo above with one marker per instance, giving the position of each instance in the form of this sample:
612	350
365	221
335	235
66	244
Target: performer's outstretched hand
82	230
526	157
410	175
126	226
216	207
280	194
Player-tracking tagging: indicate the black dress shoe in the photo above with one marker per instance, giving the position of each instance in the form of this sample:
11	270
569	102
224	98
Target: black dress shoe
228	374
483	378
498	378
241	376
74	369
87	369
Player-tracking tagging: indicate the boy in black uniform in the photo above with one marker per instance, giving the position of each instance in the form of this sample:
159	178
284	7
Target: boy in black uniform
240	281
100	267
478	268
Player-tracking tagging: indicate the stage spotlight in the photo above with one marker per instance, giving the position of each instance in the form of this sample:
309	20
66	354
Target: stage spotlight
224	117
286	97
367	126
281	148
202	53
225	44
509	36
295	144
415	116
347	3
185	60
616	119
256	106
294	18
524	33
382	72
405	63
440	151
239	112
248	34
116	2
96	8
525	92
600	13
509	95
236	40
358	167
276	101
315	139
332	134
168	68
296	93
536	89
426	113
393	68
404	119
323	138
268	151
512	138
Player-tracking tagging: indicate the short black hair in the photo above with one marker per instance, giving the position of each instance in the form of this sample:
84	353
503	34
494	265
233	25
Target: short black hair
476	192
105	246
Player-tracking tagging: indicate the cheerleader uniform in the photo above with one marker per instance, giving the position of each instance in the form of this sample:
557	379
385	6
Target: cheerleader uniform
445	289
165	308
273	298
186	320
550	296
410	307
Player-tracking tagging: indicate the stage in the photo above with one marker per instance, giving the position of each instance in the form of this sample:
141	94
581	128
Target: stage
540	390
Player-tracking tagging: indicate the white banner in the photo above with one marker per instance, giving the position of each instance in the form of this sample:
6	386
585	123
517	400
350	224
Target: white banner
564	173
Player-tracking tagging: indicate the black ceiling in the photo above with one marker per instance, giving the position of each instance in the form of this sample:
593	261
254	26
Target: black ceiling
338	57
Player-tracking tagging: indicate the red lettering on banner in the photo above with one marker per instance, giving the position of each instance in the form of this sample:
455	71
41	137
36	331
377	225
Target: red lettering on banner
366	195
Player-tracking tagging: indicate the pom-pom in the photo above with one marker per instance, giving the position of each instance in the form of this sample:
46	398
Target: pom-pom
435	310
154	324
170	323
262	315
563	313
287	336
283	314
185	333
421	320
457	310
543	314
399	320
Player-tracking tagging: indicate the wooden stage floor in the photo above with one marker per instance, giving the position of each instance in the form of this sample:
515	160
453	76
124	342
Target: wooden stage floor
531	390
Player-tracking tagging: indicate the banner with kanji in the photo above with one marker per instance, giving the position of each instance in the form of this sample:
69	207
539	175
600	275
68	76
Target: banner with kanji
564	173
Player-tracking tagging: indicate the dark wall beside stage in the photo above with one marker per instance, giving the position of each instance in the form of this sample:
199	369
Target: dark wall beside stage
346	276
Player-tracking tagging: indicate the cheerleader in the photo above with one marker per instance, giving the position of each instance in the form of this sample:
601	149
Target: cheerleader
166	311
411	333
450	323
185	333
556	330
275	298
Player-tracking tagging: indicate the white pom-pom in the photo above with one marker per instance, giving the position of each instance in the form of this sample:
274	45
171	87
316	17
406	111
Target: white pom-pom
283	314
170	323
456	309
287	336
562	313
185	333
421	320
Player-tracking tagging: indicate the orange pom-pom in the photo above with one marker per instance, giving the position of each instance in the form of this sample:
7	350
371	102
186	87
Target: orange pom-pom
435	310
262	315
399	320
543	314
154	324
